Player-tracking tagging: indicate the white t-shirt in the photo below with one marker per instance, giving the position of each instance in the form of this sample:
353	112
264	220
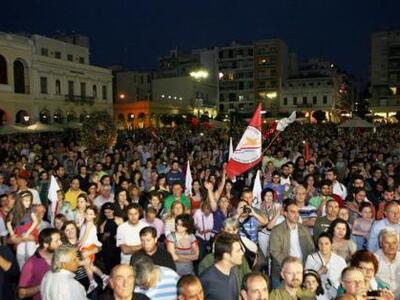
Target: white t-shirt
3	229
128	234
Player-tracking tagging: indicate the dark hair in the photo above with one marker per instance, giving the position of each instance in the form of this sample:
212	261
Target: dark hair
134	206
150	210
287	202
65	224
186	280
45	236
324	235
61	217
364	256
251	275
275	173
310	272
331	228
148	230
364	205
187	222
224	244
325	182
265	191
331	170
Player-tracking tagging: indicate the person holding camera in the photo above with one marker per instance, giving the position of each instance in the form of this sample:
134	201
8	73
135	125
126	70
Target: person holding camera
250	218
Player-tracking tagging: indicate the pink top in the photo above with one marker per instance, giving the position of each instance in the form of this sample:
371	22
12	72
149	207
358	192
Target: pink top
157	224
33	272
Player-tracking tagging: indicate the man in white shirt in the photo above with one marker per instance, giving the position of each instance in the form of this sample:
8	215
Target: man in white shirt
104	197
337	187
128	237
389	259
59	282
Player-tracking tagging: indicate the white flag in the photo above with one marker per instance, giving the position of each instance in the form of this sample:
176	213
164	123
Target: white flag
230	155
230	148
188	181
283	123
52	196
257	188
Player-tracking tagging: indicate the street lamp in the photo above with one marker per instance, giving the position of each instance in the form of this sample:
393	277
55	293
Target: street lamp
199	74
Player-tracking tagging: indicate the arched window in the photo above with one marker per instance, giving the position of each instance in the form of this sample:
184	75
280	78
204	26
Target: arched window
22	117
44	116
3	70
58	87
19	77
59	117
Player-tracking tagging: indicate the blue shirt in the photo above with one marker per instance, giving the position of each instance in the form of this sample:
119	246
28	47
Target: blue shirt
251	228
377	226
165	288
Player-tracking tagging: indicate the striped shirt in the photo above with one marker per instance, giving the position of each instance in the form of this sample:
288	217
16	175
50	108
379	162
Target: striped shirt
165	288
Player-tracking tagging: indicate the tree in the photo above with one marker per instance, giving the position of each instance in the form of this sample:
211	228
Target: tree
98	131
319	115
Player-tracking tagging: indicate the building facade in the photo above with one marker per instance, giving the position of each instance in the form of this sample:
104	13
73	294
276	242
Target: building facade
385	73
48	80
252	73
184	84
318	85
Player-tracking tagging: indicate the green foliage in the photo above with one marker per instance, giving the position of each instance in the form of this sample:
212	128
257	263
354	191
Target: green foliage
98	131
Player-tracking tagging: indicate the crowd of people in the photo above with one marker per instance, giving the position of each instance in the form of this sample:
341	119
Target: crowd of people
124	227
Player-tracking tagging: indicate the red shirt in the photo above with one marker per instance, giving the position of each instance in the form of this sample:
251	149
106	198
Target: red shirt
33	272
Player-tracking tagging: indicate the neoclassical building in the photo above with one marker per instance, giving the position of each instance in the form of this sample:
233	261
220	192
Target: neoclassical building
50	80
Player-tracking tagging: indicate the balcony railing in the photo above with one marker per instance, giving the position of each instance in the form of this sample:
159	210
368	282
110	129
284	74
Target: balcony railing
80	99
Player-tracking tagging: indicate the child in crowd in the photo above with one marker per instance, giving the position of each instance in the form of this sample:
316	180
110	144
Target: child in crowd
22	225
88	245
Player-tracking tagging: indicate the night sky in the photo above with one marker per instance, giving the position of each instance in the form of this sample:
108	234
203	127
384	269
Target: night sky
137	33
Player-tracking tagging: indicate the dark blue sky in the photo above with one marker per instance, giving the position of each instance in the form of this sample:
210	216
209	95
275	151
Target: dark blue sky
136	33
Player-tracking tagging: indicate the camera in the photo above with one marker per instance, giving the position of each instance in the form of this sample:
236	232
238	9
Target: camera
374	293
246	210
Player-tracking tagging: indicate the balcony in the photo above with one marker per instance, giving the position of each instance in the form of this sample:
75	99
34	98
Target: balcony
80	99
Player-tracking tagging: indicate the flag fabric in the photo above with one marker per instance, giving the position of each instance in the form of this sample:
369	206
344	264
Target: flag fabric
248	152
230	148
283	123
188	181
271	130
257	188
52	196
233	179
307	151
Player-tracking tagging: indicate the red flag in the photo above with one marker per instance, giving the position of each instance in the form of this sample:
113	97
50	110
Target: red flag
307	151
271	130
248	151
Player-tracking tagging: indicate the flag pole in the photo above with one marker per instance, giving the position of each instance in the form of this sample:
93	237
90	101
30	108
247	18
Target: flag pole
272	141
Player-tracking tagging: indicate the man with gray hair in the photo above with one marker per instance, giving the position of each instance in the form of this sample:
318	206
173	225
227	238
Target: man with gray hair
59	283
156	282
389	259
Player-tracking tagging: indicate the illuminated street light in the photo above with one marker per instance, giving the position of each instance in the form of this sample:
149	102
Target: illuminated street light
122	96
272	95
200	74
